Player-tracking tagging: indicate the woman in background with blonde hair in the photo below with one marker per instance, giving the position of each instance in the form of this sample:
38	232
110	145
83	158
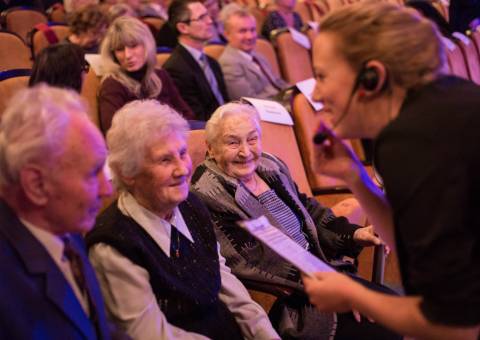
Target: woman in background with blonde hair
378	70
129	59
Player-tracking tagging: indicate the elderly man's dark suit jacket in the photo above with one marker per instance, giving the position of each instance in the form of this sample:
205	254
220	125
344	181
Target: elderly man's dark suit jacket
192	83
36	301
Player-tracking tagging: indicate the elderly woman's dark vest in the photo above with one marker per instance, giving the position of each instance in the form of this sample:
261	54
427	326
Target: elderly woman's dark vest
186	286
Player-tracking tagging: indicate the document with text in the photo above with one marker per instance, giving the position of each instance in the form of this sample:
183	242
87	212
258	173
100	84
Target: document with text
284	246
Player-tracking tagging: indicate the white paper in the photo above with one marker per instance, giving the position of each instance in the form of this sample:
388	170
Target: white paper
270	111
284	246
95	62
107	171
462	37
306	87
313	25
300	38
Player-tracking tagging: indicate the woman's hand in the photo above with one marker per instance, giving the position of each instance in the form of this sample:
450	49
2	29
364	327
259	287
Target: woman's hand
330	292
334	158
366	237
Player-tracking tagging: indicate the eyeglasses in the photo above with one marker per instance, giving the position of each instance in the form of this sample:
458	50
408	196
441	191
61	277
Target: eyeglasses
202	17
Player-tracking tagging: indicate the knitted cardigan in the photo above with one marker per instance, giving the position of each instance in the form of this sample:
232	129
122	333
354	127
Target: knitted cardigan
229	201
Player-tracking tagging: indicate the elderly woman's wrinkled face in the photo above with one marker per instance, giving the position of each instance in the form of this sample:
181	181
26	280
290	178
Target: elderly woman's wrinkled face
238	147
162	183
131	58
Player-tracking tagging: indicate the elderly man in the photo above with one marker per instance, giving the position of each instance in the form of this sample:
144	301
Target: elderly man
51	185
247	73
155	250
198	77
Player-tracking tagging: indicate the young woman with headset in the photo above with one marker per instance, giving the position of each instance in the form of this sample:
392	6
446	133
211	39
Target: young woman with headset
379	75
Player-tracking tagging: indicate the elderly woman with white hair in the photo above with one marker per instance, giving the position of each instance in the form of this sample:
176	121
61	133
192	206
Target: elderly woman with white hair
238	181
155	250
129	61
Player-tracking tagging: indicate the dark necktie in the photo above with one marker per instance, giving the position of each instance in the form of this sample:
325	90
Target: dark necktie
267	74
77	267
207	70
175	242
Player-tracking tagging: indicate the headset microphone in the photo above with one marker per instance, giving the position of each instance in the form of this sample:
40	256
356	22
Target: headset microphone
368	79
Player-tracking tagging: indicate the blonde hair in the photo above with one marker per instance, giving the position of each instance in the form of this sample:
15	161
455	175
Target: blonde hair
406	43
129	31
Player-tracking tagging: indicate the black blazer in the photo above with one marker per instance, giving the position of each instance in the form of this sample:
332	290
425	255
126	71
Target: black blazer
37	302
192	83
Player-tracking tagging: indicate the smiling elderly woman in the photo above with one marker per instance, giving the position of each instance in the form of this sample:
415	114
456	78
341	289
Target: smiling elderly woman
154	249
237	181
128	57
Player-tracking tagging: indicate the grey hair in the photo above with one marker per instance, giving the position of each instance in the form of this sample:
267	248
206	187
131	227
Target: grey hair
33	128
213	126
133	128
128	31
230	10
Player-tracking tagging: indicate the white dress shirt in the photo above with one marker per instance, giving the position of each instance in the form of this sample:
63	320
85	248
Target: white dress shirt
131	301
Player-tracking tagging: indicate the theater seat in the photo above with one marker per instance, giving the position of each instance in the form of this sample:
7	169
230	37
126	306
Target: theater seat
14	54
295	60
10	83
470	55
265	48
44	35
56	13
90	88
455	59
22	20
214	50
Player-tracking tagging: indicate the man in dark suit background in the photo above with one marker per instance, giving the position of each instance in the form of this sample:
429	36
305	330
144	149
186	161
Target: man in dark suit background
51	186
197	76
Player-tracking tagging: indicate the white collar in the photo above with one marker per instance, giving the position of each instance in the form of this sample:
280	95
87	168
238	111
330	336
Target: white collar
196	54
52	243
158	228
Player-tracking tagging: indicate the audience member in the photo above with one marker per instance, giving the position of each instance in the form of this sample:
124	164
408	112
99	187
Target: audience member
52	184
198	77
378	68
167	36
88	26
155	250
119	10
247	73
237	182
154	8
129	59
283	16
60	65
72	6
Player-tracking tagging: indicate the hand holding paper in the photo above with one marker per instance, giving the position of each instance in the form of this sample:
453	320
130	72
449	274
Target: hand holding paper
284	246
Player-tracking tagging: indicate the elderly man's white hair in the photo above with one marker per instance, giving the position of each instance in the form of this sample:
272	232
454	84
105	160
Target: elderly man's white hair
33	128
133	128
232	9
213	127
